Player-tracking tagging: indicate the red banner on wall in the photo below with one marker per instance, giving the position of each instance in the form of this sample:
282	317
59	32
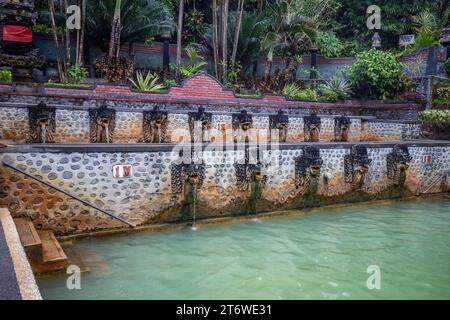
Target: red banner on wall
17	33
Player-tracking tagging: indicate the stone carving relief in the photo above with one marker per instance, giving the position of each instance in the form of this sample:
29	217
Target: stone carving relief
307	170
200	125
312	125
279	122
242	123
42	124
356	166
155	125
102	123
397	164
342	128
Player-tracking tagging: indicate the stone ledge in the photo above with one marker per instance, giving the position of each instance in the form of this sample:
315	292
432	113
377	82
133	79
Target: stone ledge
112	148
23	274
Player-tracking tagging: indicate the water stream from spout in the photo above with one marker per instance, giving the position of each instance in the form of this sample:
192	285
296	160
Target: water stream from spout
193	220
43	134
107	134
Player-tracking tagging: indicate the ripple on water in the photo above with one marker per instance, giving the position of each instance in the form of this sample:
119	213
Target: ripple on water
324	255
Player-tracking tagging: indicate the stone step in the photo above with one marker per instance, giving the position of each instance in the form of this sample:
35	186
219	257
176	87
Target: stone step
30	239
53	256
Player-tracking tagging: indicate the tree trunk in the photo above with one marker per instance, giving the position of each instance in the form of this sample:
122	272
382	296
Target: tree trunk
268	67
215	38
260	7
62	75
180	29
224	41
83	23
114	42
237	31
67	37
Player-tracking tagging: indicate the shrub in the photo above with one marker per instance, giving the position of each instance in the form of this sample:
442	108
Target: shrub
114	69
294	92
377	74
443	93
78	73
337	88
330	45
447	66
149	83
435	117
5	76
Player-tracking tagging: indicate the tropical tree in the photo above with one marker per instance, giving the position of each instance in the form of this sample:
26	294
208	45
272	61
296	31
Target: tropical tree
179	33
139	20
224	16
287	31
114	40
240	10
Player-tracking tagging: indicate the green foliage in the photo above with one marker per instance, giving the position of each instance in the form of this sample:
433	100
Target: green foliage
69	85
377	74
435	117
78	73
149	83
195	65
194	27
47	29
330	45
337	88
294	92
5	76
447	66
443	93
140	20
170	82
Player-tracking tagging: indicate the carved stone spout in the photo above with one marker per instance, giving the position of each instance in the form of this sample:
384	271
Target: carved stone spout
312	124
342	128
280	124
102	124
200	125
42	123
397	164
356	166
242	123
307	170
155	125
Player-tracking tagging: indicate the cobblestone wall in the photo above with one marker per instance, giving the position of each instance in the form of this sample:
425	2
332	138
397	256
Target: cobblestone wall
147	196
72	126
389	131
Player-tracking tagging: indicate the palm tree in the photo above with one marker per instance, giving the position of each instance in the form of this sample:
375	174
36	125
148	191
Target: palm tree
80	46
287	31
240	9
61	65
224	11
180	30
215	38
114	40
139	20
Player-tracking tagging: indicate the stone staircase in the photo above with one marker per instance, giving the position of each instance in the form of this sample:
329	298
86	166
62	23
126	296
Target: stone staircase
42	248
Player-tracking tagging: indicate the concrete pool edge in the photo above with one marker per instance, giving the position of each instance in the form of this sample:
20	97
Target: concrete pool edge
23	273
236	219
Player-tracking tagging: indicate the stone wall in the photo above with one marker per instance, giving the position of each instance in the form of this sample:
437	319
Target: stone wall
73	125
148	196
389	130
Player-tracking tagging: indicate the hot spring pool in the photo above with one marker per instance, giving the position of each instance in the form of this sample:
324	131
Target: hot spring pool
323	255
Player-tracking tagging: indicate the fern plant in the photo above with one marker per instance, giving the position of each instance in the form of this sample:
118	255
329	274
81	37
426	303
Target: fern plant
195	65
149	83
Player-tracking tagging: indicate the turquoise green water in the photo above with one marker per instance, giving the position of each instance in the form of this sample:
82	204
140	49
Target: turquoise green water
323	255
